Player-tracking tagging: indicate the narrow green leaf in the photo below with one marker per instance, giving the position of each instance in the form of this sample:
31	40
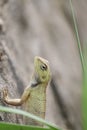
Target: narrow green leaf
8	126
24	113
84	92
83	58
77	35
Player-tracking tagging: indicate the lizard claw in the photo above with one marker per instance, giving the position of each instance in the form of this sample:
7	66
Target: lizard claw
5	93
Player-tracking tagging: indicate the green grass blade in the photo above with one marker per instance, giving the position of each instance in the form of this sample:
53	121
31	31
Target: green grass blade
84	67
24	113
84	103
84	93
77	35
8	126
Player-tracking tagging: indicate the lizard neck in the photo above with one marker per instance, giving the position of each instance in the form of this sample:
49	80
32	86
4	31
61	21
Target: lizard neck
35	81
40	92
38	87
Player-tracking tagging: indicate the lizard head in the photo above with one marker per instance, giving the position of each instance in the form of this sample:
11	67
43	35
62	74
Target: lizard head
42	70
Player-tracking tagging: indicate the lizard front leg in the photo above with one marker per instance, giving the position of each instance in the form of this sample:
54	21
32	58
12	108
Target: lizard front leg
16	102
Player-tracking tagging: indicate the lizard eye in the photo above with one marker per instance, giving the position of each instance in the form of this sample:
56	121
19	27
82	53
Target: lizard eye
43	67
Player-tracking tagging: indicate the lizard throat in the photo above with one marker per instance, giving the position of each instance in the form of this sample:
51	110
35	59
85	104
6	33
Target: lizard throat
35	82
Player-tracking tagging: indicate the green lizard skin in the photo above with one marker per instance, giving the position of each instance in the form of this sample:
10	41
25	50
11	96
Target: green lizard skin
34	96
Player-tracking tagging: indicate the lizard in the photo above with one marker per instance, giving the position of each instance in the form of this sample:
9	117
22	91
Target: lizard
34	95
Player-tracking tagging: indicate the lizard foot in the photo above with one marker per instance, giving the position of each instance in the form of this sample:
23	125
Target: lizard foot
5	93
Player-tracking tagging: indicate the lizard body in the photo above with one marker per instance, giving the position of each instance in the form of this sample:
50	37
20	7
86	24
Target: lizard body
34	96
